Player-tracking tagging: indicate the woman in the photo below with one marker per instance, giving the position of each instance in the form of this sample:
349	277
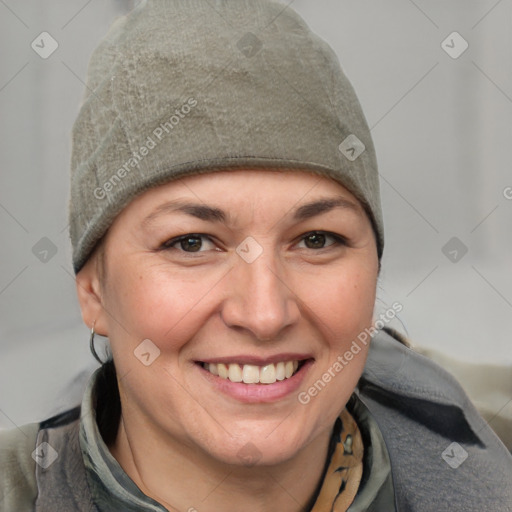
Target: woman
227	236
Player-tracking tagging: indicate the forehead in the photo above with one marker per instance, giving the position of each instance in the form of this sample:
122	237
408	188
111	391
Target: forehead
241	197
262	201
236	190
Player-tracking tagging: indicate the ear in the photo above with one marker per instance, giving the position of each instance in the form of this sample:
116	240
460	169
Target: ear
90	297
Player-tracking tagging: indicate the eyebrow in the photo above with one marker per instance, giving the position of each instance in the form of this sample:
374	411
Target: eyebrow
200	211
214	214
320	206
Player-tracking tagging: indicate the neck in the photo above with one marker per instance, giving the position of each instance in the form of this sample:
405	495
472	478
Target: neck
182	477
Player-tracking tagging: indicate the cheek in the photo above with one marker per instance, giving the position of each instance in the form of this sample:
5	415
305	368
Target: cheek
153	304
357	297
343	301
345	312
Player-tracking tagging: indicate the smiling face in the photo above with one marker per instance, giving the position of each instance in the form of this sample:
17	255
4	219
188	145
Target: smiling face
249	284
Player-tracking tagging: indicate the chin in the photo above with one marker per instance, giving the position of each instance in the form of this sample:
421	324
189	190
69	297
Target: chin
253	454
264	449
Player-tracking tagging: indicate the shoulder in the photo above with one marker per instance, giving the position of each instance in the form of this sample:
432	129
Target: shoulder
18	488
441	449
20	448
395	368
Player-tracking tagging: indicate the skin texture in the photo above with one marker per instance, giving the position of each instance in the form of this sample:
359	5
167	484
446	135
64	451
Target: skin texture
180	438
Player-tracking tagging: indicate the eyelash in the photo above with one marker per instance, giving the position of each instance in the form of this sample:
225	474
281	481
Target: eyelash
338	240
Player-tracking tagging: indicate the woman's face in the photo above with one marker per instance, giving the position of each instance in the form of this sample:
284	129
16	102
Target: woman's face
236	276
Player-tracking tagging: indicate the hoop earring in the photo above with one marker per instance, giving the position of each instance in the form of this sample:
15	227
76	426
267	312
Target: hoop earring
91	345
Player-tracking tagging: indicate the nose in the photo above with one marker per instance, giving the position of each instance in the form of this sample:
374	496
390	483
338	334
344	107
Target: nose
260	299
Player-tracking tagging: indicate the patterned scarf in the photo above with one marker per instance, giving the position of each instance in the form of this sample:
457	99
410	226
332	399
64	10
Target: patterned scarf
345	469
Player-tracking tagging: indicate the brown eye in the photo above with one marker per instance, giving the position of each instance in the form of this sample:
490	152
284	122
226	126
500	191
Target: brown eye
315	241
192	242
321	240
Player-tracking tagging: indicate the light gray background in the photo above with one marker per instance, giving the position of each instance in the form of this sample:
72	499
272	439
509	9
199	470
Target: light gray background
442	129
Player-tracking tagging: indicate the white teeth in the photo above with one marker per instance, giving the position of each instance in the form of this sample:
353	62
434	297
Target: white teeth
280	373
253	374
235	373
268	374
222	370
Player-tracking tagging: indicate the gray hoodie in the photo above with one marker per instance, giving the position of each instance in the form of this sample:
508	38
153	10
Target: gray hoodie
426	449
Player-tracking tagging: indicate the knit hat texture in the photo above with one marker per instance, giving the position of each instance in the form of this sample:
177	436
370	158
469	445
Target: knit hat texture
181	87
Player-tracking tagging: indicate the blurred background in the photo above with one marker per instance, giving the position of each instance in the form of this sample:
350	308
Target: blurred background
435	82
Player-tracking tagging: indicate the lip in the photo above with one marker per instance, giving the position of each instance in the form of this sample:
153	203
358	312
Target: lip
257	393
258	360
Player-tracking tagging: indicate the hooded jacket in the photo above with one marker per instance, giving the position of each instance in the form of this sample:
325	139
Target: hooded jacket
426	450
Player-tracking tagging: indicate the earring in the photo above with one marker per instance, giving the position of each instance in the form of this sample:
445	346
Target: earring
91	345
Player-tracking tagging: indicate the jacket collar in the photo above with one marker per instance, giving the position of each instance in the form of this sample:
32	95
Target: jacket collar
405	381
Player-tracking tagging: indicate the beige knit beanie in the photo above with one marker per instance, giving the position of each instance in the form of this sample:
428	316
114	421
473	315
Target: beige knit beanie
182	87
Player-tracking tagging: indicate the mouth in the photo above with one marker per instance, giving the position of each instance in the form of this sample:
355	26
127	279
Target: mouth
255	374
253	379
